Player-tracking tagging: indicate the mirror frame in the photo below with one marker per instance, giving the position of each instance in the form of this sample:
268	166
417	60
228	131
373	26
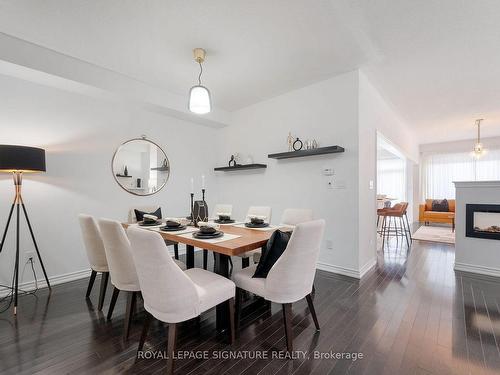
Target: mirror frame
142	138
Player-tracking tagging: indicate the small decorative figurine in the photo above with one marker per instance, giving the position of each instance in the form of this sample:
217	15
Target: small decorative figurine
290	141
232	161
297	145
314	144
125	171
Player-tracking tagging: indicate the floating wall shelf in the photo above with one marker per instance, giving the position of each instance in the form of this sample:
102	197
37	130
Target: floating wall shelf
122	175
240	167
310	152
161	169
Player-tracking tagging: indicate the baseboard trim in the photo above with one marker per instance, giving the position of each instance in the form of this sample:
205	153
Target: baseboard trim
338	270
367	267
54	280
481	270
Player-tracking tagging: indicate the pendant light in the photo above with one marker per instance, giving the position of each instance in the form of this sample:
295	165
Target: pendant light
199	96
478	147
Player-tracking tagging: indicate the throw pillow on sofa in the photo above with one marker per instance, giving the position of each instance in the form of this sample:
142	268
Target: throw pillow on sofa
440	205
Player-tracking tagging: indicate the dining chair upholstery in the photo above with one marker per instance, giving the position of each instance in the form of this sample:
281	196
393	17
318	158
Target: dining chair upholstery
119	255
292	276
92	240
260	211
121	268
221	207
170	295
96	255
294	216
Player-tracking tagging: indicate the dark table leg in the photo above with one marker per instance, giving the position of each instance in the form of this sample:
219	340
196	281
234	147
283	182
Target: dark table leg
189	256
222	268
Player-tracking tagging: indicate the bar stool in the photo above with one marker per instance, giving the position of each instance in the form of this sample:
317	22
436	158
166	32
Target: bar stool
395	215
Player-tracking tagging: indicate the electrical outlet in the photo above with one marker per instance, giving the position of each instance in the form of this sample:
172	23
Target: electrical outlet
28	255
329	244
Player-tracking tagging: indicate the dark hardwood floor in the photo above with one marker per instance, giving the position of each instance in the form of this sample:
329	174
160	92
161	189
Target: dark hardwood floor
412	315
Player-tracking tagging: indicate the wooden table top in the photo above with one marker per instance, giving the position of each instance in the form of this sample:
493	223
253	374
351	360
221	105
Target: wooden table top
250	239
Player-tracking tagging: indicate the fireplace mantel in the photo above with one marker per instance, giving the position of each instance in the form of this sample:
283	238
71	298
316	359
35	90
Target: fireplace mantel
475	184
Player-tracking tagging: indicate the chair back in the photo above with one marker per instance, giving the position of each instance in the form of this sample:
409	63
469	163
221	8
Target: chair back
93	243
260	211
169	294
131	212
119	255
294	216
292	276
227	208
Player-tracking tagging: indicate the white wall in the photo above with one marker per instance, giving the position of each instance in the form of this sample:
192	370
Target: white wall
326	111
80	135
476	255
375	114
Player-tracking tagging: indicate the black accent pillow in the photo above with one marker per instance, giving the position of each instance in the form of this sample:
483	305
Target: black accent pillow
271	253
440	205
139	215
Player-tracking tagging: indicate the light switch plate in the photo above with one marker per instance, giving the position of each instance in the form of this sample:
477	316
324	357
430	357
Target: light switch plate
371	184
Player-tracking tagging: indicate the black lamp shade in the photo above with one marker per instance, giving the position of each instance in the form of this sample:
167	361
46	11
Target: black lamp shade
21	158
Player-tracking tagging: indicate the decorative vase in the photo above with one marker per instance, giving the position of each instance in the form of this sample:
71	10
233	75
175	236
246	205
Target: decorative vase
125	171
297	145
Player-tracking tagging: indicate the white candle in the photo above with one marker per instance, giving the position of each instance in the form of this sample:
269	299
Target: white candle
203	181
192	185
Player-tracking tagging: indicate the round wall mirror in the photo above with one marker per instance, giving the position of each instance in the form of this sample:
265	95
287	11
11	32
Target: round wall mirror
140	167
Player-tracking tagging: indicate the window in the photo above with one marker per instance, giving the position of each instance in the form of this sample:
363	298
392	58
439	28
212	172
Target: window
391	178
440	170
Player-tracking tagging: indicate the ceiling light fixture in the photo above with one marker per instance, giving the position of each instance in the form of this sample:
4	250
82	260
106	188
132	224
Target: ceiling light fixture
199	96
478	146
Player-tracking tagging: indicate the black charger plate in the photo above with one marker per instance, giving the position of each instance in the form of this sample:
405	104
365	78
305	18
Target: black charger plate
206	236
143	224
251	225
172	229
230	221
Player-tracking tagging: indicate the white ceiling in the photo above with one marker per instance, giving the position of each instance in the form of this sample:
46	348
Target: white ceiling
437	62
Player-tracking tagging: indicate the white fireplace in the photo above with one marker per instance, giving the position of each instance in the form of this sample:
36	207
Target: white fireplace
477	221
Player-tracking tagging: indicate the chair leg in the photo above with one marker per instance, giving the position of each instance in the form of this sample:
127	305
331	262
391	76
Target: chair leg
409	229
231	264
205	259
312	310
102	292
131	297
245	262
176	251
405	232
287	319
91	283
112	304
383	232
238	298
231	321
145	329
172	338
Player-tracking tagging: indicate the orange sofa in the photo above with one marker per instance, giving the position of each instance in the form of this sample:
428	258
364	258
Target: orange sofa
426	215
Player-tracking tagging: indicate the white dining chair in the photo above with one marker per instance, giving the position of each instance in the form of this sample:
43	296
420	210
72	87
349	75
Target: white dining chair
290	279
121	267
258	211
133	219
173	296
95	254
222	207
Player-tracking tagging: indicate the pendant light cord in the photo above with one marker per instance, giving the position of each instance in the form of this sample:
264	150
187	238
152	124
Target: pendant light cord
201	72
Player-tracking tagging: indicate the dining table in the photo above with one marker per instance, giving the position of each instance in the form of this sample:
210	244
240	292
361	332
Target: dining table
239	240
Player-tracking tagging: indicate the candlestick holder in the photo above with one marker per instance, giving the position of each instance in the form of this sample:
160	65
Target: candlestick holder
190	217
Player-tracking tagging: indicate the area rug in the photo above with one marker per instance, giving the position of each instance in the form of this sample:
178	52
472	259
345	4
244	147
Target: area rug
434	234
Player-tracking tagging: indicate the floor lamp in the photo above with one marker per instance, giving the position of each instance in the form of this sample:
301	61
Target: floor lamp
18	160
